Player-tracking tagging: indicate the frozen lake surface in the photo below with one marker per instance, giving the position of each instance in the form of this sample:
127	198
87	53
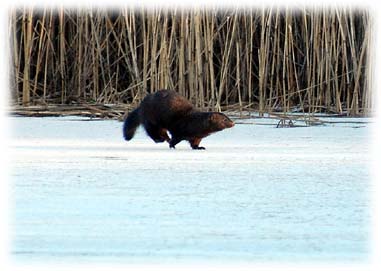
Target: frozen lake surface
256	194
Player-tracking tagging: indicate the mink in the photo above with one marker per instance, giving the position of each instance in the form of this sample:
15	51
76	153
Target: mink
167	111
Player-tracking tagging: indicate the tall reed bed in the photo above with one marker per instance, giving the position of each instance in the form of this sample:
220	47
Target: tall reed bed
270	59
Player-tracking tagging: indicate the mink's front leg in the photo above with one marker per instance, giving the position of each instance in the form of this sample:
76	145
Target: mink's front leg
194	142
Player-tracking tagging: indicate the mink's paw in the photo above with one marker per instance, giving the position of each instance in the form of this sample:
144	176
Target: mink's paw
198	148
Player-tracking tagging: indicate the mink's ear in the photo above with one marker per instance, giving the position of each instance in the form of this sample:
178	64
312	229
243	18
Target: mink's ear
213	116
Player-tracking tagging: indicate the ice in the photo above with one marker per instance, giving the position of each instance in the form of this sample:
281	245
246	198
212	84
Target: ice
256	194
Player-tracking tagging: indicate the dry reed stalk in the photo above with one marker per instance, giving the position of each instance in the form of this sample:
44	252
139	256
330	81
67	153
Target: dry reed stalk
262	62
80	53
238	77
181	59
163	54
153	21
172	55
355	101
15	66
39	51
366	96
62	52
249	56
226	57
146	38
294	63
28	44
190	56
285	64
129	16
198	60
273	60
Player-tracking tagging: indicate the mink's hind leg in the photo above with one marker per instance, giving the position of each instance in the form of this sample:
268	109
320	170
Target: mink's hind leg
174	141
156	133
163	134
194	142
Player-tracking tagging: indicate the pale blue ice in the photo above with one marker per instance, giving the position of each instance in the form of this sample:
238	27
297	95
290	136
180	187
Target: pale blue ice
256	194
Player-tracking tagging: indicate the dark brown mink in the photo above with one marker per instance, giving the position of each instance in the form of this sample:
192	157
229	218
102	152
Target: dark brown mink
166	111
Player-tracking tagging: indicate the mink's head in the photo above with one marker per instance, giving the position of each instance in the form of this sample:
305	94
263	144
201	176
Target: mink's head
219	121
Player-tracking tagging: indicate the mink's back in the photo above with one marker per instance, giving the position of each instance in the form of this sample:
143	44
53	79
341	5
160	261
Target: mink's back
164	108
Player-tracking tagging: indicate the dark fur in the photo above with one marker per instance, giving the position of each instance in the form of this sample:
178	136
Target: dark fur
168	111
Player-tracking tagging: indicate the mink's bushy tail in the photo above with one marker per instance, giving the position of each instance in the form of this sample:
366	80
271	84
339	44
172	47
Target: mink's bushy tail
130	125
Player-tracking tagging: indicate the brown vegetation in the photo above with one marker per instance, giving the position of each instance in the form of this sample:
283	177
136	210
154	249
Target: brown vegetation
269	60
